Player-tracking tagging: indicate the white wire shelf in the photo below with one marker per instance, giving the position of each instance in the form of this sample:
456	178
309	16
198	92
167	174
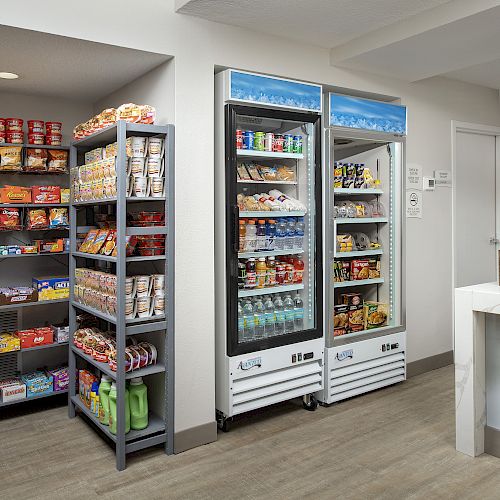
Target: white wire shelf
272	253
362	220
346	284
358	253
266	291
251	153
357	191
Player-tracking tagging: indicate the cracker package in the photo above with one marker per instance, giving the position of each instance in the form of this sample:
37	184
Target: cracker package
10	158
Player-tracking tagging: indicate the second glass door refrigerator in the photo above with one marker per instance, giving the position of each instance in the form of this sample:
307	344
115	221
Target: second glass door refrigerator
364	280
269	335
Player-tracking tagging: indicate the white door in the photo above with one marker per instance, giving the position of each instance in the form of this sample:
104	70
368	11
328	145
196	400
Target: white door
475	209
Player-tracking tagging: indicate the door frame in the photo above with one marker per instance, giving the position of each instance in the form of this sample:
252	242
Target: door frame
472	128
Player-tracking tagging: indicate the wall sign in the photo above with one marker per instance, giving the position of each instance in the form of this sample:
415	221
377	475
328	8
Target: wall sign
274	92
366	114
443	178
413	176
413	203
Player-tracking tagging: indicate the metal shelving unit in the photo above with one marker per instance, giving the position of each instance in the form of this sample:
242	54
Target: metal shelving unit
161	327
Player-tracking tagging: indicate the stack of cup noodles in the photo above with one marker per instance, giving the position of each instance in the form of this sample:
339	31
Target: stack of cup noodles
39	132
144	296
102	347
146	167
96	289
95	180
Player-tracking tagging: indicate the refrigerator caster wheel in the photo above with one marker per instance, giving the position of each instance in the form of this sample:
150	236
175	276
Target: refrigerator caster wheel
224	423
309	402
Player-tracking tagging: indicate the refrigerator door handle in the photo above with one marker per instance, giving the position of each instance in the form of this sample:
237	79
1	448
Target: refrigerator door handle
236	229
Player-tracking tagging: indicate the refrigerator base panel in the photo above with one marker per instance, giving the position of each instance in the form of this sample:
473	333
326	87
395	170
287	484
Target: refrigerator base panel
363	366
266	377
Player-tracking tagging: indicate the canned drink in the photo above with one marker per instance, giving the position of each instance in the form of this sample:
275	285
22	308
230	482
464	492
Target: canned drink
239	139
248	138
288	144
268	143
278	143
297	144
258	142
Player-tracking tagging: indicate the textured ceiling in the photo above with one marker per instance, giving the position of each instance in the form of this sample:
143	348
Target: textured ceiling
326	23
66	67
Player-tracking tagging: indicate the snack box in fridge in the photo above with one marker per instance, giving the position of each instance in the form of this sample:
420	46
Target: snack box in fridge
360	269
376	314
356	321
9	343
340	320
37	383
351	299
51	287
35	337
12	390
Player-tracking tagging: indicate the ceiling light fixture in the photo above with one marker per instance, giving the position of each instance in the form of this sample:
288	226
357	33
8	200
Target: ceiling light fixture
8	76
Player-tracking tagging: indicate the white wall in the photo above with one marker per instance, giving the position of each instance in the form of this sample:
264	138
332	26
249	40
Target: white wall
199	45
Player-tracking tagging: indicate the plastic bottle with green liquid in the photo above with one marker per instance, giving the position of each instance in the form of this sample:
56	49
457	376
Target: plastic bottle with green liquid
104	388
112	410
138	404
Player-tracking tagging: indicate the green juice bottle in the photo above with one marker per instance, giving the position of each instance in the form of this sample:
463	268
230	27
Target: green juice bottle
104	389
113	412
138	404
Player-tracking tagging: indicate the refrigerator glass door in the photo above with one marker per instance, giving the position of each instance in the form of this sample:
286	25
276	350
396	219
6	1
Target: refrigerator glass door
273	190
365	227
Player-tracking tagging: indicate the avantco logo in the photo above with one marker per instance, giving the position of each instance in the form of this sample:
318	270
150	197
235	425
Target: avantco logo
342	356
248	364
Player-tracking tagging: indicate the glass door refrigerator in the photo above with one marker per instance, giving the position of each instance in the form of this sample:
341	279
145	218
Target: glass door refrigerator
364	258
269	279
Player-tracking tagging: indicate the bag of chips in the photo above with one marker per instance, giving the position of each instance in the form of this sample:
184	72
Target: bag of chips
57	161
9	219
37	219
58	218
10	158
36	160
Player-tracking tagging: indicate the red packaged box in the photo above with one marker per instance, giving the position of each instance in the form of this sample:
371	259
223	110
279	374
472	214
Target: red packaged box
46	194
360	270
34	337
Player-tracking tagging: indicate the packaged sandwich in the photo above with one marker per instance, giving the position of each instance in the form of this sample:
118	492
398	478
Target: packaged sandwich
243	172
286	173
268	173
253	171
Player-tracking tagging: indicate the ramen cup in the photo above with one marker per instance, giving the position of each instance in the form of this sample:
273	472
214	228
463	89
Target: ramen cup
136	166
144	309
159	304
141	186
138	146
130	308
143	285
157	187
130	286
154	166
158	283
155	147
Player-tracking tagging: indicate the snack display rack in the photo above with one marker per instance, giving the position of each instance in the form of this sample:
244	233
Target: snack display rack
13	316
158	329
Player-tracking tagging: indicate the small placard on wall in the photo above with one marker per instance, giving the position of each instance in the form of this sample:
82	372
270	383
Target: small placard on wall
413	203
443	178
413	176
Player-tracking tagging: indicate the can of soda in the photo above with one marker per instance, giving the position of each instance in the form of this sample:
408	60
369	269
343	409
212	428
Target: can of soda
278	143
268	143
258	142
288	144
239	139
248	138
297	144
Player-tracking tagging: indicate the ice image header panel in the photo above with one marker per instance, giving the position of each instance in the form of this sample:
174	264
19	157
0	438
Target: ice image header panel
274	92
366	114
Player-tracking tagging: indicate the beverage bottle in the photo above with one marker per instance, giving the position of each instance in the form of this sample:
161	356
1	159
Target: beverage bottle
271	272
298	270
279	313
243	232
113	412
280	273
270	235
104	388
289	274
250	236
280	234
138	394
93	393
249	332
270	317
299	233
289	314
261	236
298	308
260	319
251	276
242	274
290	234
261	272
241	323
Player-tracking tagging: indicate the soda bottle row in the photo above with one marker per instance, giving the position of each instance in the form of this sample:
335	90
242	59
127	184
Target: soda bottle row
267	316
260	235
268	272
261	141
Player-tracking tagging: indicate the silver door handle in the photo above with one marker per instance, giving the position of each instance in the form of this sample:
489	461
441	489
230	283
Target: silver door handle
493	240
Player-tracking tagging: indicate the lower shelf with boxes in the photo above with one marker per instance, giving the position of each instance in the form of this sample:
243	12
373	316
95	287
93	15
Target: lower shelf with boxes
354	314
36	384
44	288
32	338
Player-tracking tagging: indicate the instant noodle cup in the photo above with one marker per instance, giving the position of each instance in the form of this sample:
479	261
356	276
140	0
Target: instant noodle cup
36	138
14	124
2	124
36	126
53	140
15	137
53	128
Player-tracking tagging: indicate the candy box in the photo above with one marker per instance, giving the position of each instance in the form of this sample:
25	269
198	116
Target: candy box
29	249
50	246
61	333
46	194
34	337
9	343
17	295
60	377
15	194
12	390
37	383
51	287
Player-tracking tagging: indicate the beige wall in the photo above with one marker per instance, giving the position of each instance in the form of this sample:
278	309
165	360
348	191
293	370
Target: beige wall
197	47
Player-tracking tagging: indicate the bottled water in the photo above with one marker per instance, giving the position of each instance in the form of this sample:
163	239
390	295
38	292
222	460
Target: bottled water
249	331
260	319
260	244
290	234
299	233
281	233
289	314
270	235
241	323
298	307
279	312
270	317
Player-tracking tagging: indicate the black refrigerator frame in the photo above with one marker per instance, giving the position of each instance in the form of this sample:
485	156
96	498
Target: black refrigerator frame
232	235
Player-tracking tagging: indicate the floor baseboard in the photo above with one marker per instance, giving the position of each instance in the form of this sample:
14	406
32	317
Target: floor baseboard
195	436
428	364
492	441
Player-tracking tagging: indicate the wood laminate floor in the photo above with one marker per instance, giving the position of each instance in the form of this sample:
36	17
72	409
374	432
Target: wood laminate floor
396	443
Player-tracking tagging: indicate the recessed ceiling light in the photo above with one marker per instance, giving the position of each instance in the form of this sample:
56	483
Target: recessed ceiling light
8	76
